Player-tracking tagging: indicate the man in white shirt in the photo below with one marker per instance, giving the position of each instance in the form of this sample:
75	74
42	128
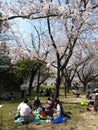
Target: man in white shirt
25	111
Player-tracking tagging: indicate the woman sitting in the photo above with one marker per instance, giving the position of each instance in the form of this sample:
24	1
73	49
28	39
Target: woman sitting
49	107
36	103
11	96
58	109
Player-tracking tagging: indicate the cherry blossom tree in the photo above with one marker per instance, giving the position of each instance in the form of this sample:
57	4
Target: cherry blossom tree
66	22
88	70
5	60
73	34
83	53
87	73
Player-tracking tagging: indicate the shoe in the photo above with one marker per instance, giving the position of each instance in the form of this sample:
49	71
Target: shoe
49	121
11	113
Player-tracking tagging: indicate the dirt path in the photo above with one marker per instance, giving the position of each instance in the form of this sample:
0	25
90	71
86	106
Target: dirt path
90	121
87	120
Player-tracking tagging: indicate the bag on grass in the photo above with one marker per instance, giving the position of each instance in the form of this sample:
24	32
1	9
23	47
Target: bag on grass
84	103
59	119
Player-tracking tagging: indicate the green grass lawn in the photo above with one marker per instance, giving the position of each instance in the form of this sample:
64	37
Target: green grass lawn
71	103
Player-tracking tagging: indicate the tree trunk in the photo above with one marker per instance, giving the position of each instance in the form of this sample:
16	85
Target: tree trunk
57	90
68	85
35	68
65	92
84	84
58	82
30	83
37	88
38	82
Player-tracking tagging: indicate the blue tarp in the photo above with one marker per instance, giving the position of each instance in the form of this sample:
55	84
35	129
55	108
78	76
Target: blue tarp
36	119
60	119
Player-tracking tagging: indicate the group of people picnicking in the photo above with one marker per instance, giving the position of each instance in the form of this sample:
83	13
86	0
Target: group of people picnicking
8	96
50	111
47	92
93	97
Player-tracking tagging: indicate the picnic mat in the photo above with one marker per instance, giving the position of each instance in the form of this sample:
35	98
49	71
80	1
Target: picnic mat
60	119
36	119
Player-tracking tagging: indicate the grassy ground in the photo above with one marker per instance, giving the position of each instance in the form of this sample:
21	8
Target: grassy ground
80	118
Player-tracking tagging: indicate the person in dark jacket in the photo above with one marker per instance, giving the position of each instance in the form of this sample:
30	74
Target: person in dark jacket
36	103
96	103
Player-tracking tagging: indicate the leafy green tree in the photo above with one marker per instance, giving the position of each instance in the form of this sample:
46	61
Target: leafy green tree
22	69
30	71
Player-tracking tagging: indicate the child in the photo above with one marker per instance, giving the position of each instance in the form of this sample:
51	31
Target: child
42	114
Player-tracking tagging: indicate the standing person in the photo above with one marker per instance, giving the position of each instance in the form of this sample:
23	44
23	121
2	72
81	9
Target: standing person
25	112
88	95
96	103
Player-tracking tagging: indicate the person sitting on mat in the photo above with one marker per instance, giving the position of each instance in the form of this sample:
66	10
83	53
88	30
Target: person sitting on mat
42	114
25	112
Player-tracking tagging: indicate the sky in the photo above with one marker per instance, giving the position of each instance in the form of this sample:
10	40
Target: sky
24	28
